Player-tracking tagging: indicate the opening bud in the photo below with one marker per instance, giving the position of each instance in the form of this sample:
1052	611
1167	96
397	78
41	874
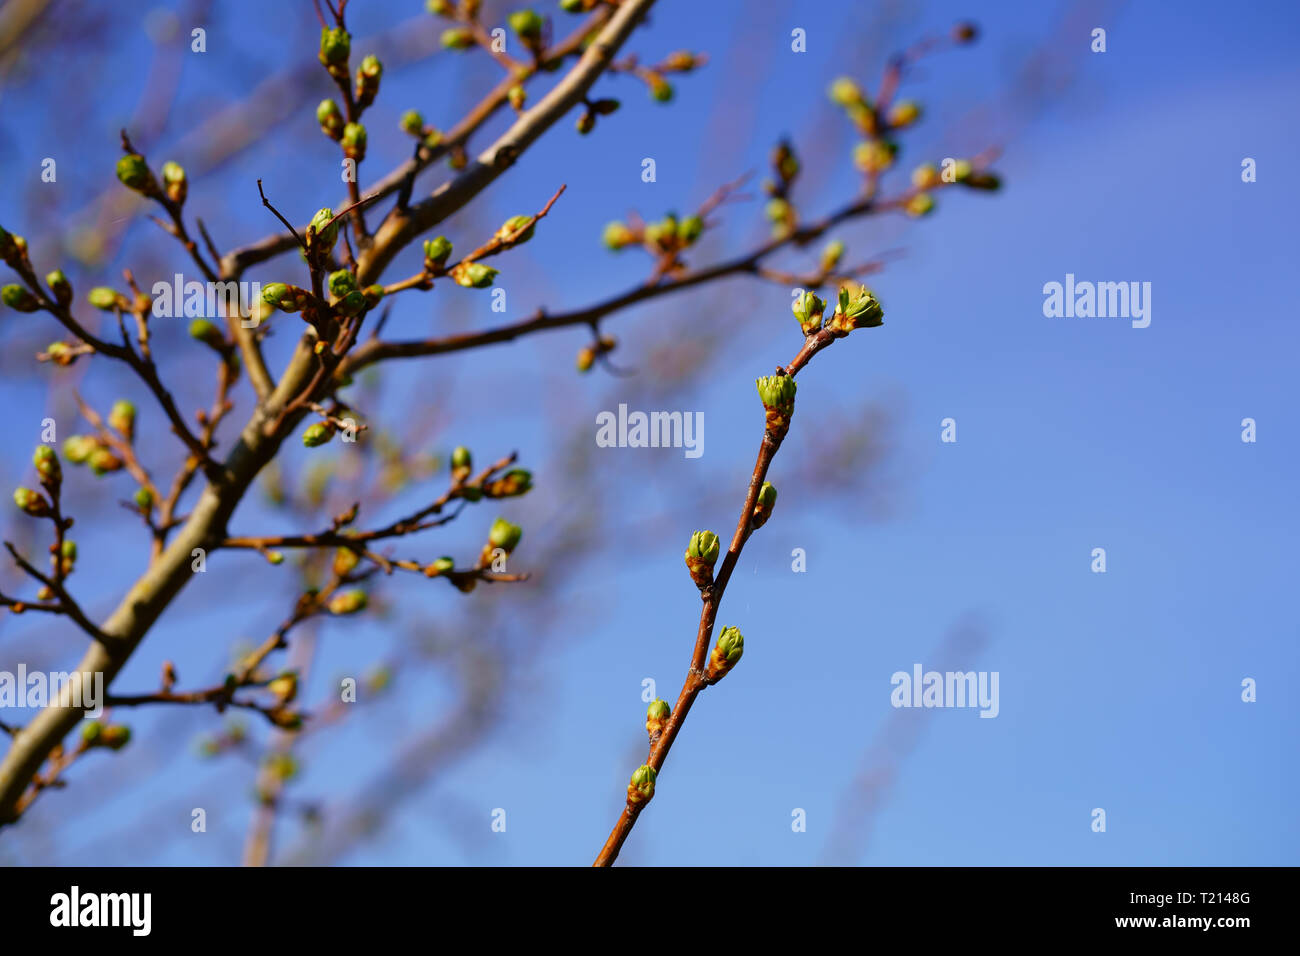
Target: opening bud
729	648
808	309
764	505
642	786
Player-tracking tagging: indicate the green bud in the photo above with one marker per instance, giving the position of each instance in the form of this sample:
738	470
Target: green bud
134	173
330	118
515	482
846	92
437	250
10	245
926	176
441	566
617	236
832	254
335	47
505	535
475	275
689	229
326	235
285	686
60	287
122	417
354	141
661	91
102	297
370	68
19	299
527	24
78	448
143	499
517	96
102	462
586	122
353	303
46	461
457	38
777	391
206	332
440	8
573	6
287	298
345	561
413	123
922	204
874	155
960	170
904	113
729	648
317	434
513	224
31	502
342	282
461	463
175	183
656	716
642	787
90	733
764	505
986	181
349	602
704	546
68	550
115	736
808	309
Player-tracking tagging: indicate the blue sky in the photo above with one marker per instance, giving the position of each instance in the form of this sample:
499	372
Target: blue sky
1118	690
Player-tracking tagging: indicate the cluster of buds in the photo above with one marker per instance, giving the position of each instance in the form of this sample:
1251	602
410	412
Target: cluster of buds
671	235
367	87
763	505
701	555
502	536
656	718
642	786
112	736
515	482
777	394
729	648
808	310
588	354
90	451
858	310
351	601
587	119
335	49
